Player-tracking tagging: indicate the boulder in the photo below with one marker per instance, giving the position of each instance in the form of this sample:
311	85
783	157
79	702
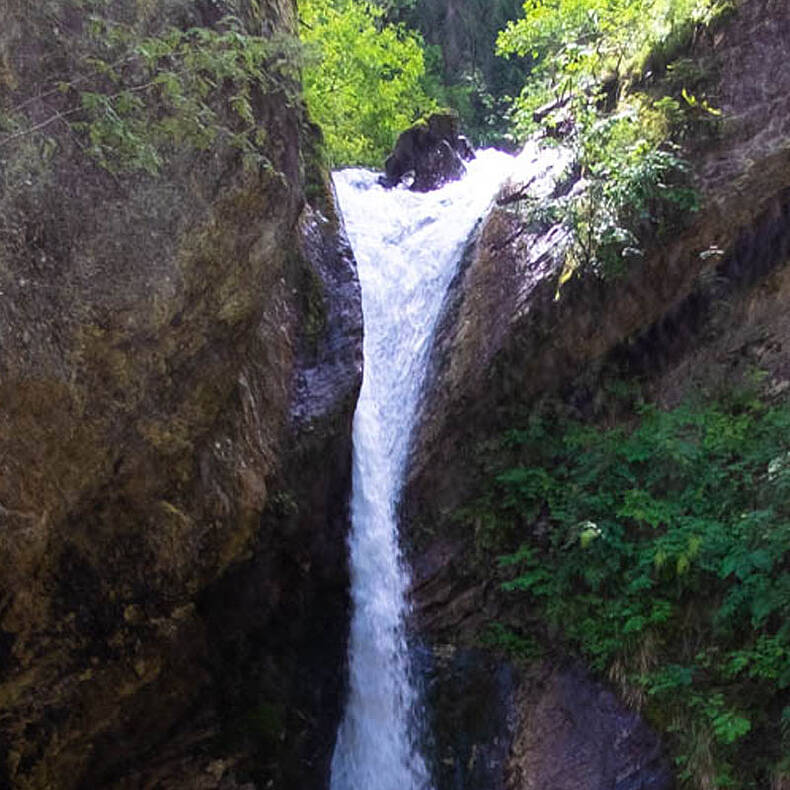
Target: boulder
432	152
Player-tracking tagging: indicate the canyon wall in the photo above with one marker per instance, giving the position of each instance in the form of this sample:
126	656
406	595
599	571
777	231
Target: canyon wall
705	308
180	353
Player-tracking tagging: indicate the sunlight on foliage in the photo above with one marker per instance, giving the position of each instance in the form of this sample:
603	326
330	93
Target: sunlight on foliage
633	185
576	44
363	83
588	57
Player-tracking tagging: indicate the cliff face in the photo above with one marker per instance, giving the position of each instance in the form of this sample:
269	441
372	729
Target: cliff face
487	359
701	310
177	352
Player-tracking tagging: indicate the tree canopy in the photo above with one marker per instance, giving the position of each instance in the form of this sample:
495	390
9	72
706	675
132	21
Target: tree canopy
363	81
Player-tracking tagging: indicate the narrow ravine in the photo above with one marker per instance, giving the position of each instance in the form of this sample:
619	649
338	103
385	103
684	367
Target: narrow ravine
407	247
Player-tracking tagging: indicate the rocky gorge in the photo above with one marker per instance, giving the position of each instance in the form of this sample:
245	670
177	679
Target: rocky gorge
180	357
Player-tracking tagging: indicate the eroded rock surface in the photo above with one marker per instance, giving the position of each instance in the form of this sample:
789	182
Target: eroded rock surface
179	358
572	732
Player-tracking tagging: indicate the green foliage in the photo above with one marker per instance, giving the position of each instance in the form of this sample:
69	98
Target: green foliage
467	94
179	75
139	97
364	83
515	645
634	184
578	44
587	57
662	556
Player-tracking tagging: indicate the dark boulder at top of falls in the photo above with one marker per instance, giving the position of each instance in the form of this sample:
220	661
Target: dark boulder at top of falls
432	150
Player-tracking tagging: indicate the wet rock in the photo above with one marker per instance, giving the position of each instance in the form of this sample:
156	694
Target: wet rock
431	152
497	728
470	696
436	166
329	354
286	610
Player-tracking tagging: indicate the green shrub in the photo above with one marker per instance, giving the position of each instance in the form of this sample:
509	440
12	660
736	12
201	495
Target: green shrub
661	554
587	58
576	45
139	97
634	187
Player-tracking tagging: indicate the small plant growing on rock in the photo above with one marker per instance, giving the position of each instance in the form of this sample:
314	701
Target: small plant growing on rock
139	96
588	84
634	186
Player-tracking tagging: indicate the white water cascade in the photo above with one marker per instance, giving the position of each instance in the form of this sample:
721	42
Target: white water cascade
407	247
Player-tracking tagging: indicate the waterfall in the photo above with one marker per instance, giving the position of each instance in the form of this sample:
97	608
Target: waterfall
407	247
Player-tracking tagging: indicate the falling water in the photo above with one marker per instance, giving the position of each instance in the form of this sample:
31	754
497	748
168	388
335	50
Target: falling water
407	247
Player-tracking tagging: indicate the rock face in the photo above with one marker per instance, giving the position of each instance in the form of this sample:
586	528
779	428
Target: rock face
496	726
179	359
573	732
432	151
500	339
702	308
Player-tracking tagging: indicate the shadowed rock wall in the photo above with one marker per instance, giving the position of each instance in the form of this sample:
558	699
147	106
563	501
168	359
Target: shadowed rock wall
179	359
